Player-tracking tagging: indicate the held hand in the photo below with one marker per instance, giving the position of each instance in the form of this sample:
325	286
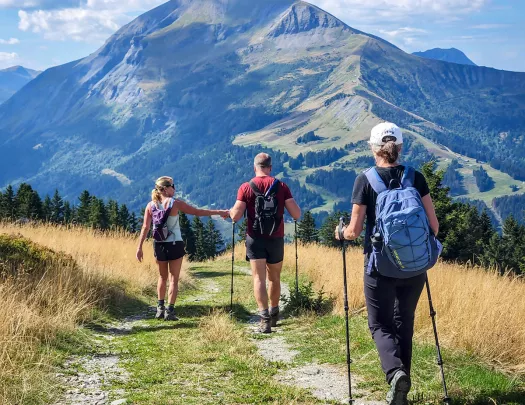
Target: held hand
140	254
224	214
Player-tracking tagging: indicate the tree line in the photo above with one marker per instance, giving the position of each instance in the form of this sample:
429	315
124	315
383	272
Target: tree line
203	240
468	236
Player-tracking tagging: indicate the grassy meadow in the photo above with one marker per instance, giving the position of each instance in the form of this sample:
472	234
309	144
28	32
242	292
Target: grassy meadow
80	277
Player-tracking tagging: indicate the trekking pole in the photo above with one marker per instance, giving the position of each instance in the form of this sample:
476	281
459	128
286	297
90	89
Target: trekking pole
233	260
296	265
348	360
446	398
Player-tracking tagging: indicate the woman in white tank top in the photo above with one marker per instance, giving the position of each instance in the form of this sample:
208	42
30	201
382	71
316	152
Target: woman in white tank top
169	253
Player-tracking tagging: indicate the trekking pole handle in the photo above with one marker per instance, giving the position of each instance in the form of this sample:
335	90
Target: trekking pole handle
340	229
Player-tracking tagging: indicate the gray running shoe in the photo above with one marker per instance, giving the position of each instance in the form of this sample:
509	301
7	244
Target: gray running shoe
169	315
399	388
265	325
274	318
160	312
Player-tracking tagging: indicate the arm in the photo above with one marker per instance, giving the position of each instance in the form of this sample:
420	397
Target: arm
190	210
237	211
431	213
352	231
143	233
292	208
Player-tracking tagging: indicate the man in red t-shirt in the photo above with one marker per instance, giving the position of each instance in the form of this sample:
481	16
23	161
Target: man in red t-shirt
265	252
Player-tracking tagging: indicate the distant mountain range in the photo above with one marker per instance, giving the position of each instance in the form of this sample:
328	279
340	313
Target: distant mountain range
193	88
13	79
452	55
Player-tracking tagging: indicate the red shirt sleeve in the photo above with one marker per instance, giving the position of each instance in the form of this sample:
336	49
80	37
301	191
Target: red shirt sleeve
286	191
242	194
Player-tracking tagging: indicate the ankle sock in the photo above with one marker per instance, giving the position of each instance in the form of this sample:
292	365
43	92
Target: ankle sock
274	310
171	307
160	303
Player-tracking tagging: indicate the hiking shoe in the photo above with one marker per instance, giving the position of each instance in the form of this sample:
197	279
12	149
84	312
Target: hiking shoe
160	312
169	315
265	325
274	318
399	387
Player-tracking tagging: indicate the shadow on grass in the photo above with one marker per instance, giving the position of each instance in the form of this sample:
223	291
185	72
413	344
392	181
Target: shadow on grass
514	397
210	274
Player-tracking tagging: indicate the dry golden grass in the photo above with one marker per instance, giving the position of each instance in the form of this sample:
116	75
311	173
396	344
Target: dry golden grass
477	311
36	308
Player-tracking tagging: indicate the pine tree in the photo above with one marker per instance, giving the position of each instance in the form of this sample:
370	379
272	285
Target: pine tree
84	208
241	229
486	229
113	214
326	233
187	236
133	223
214	242
68	212
98	216
124	218
46	208
200	239
306	230
28	203
57	208
7	208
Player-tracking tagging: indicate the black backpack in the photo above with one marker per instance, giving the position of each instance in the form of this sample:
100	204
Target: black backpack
267	220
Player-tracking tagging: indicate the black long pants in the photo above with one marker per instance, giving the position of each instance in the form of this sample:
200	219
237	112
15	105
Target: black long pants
391	305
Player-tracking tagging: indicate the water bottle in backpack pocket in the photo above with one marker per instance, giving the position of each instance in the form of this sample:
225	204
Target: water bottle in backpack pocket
160	221
403	245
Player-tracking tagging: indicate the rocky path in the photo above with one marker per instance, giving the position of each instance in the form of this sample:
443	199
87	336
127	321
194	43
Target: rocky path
86	378
325	382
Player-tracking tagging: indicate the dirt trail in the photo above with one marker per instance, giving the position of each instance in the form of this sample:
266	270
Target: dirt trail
324	381
87	377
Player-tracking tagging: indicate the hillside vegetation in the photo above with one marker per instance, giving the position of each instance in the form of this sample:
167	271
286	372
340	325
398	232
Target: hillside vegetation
479	317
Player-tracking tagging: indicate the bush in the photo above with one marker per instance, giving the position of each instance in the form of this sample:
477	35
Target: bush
305	299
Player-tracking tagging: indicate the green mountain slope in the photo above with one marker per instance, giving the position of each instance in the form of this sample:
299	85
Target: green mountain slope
186	88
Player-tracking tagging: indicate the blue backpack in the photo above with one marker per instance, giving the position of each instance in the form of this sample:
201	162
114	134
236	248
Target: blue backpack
403	244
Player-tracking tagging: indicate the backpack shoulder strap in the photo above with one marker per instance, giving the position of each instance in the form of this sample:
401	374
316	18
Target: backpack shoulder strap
378	185
255	189
409	177
274	188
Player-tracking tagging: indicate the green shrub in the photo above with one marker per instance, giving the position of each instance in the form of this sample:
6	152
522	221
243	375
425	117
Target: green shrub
305	299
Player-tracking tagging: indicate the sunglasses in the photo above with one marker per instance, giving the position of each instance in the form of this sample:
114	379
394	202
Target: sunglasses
171	185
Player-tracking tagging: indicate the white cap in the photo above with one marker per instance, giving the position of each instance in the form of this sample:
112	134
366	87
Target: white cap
385	132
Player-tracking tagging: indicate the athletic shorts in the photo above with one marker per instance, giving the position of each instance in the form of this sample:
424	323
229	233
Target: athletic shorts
166	251
271	249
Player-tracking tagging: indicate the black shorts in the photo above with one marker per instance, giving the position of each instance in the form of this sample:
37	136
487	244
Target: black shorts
166	251
271	249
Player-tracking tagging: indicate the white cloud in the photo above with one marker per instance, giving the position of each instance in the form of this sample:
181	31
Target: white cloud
93	22
10	41
384	12
402	31
8	59
488	26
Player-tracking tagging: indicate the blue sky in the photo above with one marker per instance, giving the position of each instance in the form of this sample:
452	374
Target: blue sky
42	33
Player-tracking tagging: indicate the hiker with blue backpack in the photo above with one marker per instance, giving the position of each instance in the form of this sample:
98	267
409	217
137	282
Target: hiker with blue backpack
264	198
163	213
400	246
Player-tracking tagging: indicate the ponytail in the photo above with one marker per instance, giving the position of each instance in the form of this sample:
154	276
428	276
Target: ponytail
389	152
160	185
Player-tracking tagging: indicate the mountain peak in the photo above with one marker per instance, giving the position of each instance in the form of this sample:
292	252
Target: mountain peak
303	17
452	55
